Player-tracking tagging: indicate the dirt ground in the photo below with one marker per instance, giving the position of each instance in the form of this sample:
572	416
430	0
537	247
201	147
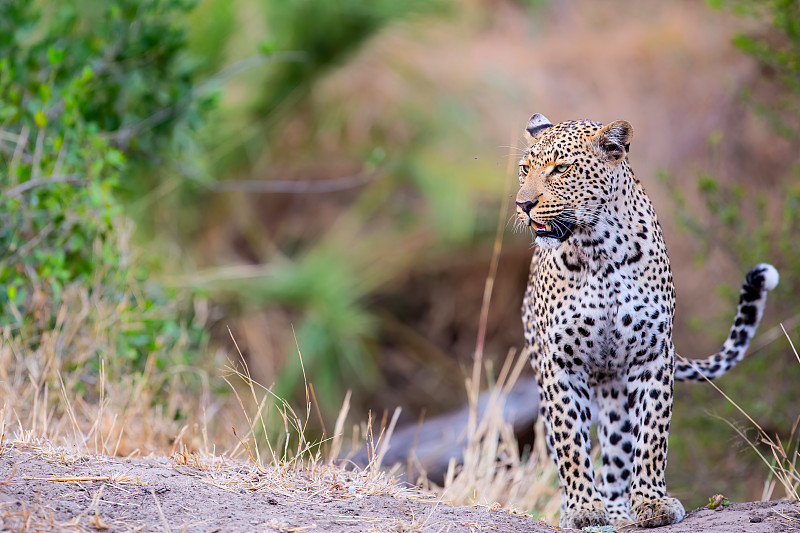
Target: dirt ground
44	488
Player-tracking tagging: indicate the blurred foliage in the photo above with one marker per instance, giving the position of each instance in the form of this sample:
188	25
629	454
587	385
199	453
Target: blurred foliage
325	33
761	225
778	53
82	98
334	331
324	273
301	41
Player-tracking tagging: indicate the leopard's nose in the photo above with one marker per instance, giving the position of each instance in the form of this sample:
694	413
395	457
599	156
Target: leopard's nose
527	206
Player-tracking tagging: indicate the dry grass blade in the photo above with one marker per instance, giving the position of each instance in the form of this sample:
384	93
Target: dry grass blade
160	512
790	519
94	518
773	334
791	343
489	285
3	426
338	428
642	521
317	410
306	387
69	478
249	382
385	438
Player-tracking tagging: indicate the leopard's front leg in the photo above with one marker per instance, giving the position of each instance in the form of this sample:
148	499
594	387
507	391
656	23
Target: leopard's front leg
650	389
566	406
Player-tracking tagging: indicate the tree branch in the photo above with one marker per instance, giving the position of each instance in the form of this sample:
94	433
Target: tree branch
17	191
296	187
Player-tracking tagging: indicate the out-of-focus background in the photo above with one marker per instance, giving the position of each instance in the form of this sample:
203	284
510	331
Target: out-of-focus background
327	176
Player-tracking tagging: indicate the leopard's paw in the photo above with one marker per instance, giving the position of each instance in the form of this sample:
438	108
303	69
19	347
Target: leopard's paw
581	518
658	512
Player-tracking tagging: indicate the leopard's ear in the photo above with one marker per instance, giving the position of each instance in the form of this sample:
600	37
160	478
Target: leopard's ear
536	125
614	140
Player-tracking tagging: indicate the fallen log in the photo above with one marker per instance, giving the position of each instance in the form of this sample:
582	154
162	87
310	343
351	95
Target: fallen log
429	446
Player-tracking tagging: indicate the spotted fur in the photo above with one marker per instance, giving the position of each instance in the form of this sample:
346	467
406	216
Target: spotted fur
598	316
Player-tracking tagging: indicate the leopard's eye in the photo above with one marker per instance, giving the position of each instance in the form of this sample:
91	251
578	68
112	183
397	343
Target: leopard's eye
523	171
560	169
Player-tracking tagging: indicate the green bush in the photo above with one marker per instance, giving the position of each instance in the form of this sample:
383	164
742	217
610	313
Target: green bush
87	95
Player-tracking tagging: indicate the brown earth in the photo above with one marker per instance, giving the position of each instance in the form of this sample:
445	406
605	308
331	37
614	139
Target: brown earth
44	488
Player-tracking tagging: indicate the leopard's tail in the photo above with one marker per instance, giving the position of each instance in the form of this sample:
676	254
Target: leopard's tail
752	299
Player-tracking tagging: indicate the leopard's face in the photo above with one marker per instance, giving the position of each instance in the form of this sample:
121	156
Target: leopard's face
566	176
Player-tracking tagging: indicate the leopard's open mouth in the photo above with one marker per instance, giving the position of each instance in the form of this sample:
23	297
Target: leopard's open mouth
555	229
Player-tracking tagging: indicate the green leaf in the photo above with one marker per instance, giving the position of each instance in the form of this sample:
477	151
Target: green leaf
40	119
44	93
267	46
86	74
707	184
55	56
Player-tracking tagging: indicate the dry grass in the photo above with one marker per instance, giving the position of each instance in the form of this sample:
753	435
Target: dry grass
288	463
70	388
49	411
494	471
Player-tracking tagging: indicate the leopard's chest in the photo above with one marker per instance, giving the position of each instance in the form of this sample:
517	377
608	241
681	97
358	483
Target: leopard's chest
600	322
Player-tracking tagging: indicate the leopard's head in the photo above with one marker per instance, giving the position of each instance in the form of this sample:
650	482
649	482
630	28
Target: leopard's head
567	175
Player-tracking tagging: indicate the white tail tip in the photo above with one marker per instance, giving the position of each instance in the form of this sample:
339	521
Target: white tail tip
771	276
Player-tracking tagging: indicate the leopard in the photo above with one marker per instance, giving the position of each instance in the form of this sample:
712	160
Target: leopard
598	321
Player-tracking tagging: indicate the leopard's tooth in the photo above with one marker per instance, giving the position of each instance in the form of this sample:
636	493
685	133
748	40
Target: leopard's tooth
547	227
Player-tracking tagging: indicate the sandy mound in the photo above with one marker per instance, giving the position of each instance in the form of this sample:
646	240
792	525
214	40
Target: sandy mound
50	489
